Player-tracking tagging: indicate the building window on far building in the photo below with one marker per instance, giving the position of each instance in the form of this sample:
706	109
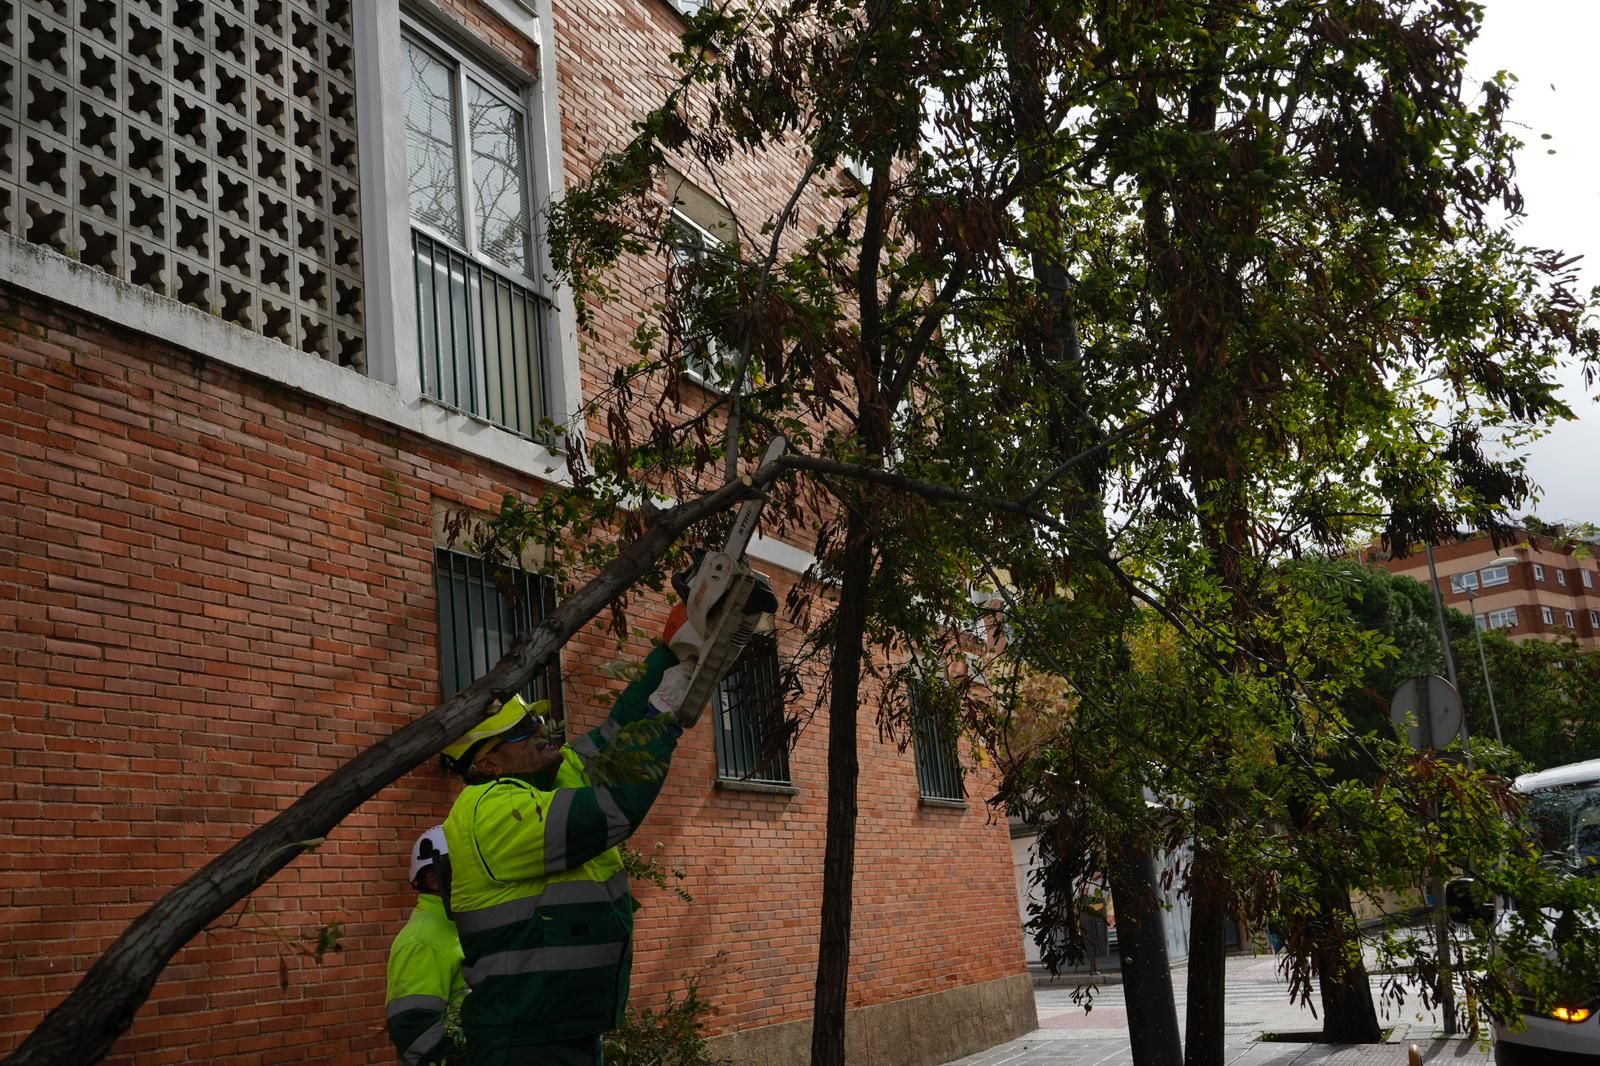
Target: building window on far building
1505	618
1463	582
481	314
752	742
1495	575
938	767
1538	572
1547	616
1594	619
1588	579
1561	578
1569	621
479	622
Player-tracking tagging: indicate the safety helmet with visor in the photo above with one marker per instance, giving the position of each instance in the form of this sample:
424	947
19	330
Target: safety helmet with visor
516	720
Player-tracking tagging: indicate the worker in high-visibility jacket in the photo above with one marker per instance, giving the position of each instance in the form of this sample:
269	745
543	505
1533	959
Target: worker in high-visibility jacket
537	887
425	964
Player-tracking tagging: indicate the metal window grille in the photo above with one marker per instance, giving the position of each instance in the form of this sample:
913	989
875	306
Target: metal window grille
478	624
749	714
480	337
938	769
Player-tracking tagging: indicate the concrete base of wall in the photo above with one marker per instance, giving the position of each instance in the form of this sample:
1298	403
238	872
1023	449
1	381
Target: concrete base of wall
921	1031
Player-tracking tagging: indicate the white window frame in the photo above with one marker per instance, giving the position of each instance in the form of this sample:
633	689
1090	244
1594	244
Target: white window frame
469	69
1570	620
1505	618
1538	572
1594	618
1561	577
1494	575
380	28
1588	579
1547	616
1464	581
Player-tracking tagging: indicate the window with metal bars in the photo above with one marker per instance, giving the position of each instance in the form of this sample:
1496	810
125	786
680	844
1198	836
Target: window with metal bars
481	320
938	768
749	718
478	623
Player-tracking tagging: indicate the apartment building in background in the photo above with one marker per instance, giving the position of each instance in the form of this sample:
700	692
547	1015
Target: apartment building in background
274	301
1540	586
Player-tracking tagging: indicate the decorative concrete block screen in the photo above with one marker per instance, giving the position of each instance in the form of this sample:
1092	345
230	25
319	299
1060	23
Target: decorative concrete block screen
202	149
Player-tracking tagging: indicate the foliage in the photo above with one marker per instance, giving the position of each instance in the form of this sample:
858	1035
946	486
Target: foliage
654	870
1137	303
673	1035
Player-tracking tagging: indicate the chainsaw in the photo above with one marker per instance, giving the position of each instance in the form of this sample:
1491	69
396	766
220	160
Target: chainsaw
726	604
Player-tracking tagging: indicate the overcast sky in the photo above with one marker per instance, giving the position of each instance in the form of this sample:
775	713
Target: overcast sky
1550	46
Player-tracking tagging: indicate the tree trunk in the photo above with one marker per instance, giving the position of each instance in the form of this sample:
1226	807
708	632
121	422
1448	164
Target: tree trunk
1348	1014
83	1027
1208	948
839	857
1142	947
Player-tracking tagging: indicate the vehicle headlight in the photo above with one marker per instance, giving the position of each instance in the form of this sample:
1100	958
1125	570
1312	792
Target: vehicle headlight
1571	1015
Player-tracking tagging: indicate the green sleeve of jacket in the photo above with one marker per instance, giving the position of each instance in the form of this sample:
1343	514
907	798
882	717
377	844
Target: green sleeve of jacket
416	1019
631	706
523	835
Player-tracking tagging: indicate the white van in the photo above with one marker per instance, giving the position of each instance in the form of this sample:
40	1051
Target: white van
1564	805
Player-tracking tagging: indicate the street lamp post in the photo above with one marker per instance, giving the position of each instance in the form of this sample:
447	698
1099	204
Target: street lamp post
1483	661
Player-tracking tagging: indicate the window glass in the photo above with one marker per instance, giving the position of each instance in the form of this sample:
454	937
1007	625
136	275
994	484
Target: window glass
499	177
1561	577
705	356
1495	575
431	157
1569	619
1548	615
1588	579
1462	582
1538	572
1505	618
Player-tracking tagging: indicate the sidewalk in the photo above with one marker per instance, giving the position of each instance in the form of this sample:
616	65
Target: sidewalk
1257	1003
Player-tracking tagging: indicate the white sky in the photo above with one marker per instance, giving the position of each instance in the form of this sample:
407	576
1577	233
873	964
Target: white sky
1550	46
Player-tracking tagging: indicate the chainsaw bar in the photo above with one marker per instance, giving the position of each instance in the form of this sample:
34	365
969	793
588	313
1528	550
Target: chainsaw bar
722	580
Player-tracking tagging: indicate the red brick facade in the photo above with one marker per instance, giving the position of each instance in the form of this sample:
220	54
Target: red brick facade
1545	576
214	590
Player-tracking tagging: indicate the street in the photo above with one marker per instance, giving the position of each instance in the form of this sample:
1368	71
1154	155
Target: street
1257	1002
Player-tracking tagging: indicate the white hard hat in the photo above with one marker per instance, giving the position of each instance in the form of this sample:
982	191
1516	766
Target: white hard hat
430	847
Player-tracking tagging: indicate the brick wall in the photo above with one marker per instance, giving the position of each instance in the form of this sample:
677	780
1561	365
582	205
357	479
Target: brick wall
212	592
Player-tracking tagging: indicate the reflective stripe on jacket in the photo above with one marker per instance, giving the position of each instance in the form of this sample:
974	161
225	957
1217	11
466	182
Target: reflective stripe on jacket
538	892
424	979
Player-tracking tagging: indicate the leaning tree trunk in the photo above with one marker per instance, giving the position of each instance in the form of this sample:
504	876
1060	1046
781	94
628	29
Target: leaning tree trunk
1142	949
83	1027
839	856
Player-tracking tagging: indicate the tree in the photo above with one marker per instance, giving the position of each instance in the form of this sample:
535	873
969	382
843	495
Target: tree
1206	260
